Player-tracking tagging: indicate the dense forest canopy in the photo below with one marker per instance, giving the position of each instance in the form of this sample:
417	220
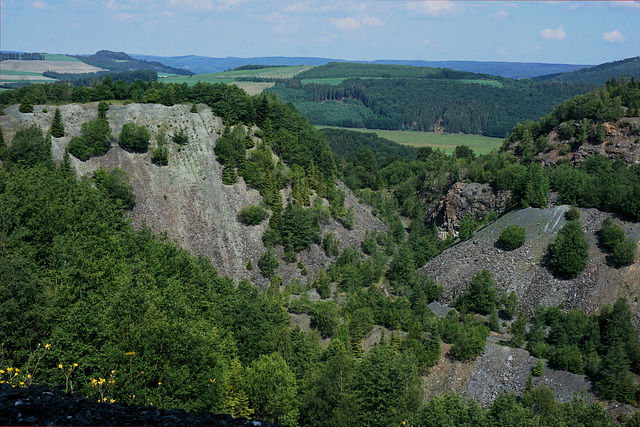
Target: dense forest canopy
421	98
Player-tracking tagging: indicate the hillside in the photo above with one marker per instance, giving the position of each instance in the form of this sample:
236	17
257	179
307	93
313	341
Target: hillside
120	61
403	97
598	74
187	198
514	70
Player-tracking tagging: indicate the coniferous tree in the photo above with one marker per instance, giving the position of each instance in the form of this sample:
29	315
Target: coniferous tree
569	251
57	127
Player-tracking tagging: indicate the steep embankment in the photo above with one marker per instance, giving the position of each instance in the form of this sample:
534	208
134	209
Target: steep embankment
187	198
524	270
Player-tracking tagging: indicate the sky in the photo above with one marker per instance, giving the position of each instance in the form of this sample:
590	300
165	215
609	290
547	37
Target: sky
568	32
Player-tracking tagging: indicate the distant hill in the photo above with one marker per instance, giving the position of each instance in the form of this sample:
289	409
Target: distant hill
598	74
516	70
120	61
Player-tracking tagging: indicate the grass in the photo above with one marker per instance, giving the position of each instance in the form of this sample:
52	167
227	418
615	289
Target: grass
204	78
493	83
19	73
446	142
335	81
269	72
54	57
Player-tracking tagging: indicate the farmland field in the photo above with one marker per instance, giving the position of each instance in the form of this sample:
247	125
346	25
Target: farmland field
64	58
445	142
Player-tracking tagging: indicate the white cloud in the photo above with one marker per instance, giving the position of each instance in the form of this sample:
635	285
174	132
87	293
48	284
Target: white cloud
349	23
627	4
39	5
501	16
435	8
305	7
551	34
614	36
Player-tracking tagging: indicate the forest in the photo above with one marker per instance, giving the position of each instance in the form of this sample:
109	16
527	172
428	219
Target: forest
424	99
115	312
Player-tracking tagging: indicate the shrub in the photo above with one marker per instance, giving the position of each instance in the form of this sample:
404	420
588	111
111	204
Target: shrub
481	296
512	237
26	107
610	234
624	253
180	137
229	176
79	148
134	137
570	251
97	135
268	263
467	226
160	156
252	215
538	370
573	214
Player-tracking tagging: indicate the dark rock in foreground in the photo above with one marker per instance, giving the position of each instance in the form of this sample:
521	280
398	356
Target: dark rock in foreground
41	405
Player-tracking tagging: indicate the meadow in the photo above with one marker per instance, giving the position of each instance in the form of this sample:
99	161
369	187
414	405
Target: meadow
446	142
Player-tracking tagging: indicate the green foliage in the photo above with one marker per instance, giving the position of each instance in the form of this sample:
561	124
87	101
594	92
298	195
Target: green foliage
180	137
160	155
610	234
268	263
569	252
625	252
229	176
103	107
512	237
572	214
480	296
114	184
518	329
467	227
470	341
134	137
252	215
25	106
272	390
97	135
57	127
538	370
511	305
326	317
494	321
79	148
28	148
299	227
330	245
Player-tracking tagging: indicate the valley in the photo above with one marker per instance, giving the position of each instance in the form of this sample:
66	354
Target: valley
233	257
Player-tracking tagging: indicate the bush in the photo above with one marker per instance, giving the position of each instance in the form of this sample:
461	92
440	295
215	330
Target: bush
252	215
180	137
134	137
25	107
624	253
79	148
512	237
97	135
610	234
268	263
115	185
569	252
572	214
481	296
160	156
467	227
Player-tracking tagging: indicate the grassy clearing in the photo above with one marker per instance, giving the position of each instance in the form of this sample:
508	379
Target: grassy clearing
64	58
269	72
493	83
445	142
19	73
195	79
331	81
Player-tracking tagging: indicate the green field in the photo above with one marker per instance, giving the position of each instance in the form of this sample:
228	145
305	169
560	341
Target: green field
445	142
330	81
54	57
19	73
204	78
493	83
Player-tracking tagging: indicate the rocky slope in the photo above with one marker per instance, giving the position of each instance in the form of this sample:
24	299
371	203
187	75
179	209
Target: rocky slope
187	198
524	270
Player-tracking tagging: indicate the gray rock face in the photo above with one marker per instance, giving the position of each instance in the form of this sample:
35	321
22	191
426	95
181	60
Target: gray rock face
187	198
466	198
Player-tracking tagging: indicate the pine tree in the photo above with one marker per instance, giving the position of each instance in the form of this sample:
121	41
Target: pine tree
229	176
236	401
57	127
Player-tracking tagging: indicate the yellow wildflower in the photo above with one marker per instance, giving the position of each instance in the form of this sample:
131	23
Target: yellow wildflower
112	401
159	383
130	353
1	371
21	382
75	365
9	369
60	366
17	370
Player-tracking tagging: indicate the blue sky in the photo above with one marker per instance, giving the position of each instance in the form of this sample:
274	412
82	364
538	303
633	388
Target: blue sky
573	32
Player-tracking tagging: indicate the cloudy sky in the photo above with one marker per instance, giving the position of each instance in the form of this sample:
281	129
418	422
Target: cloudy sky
573	32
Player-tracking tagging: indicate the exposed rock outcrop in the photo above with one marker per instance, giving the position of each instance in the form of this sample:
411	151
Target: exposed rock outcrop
466	198
187	198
